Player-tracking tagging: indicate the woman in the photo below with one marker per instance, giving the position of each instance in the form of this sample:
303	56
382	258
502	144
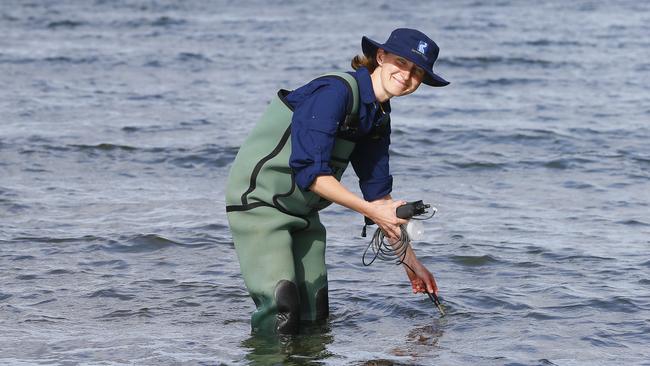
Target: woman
290	167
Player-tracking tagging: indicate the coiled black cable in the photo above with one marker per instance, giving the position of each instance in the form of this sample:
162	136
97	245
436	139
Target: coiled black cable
397	251
384	250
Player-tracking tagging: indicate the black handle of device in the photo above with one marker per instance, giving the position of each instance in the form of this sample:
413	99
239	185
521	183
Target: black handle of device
411	209
406	211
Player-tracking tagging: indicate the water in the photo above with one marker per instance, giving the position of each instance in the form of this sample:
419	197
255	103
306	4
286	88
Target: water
119	122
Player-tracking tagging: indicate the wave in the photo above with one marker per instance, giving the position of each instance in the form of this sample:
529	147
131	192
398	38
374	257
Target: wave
494	136
492	149
477	165
205	155
146	97
192	57
166	22
78	60
545	42
43	319
209	156
499	82
474	261
556	257
159	22
57	240
114	264
566	163
181	126
489	302
138	313
633	222
618	304
66	24
142	243
110	293
103	147
492	61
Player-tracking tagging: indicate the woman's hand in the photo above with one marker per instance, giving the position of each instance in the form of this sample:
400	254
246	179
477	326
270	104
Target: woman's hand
421	279
382	212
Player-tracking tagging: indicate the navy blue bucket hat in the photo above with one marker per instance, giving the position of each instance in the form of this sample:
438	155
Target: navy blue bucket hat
414	46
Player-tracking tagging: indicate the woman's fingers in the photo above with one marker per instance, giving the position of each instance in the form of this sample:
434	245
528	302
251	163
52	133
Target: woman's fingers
432	286
386	217
397	204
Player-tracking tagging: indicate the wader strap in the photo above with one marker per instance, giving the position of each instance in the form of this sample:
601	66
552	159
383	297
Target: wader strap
350	123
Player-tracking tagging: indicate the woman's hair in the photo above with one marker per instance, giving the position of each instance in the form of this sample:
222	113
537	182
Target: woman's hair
369	63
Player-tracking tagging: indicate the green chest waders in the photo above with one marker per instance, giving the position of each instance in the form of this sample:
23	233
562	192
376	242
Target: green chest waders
279	239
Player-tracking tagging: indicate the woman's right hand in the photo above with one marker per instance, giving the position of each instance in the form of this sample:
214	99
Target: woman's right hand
383	213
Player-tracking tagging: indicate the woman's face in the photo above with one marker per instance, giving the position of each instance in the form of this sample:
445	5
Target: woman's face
398	75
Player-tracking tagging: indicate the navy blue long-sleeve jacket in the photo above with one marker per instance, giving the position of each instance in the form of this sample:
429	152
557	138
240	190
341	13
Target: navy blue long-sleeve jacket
319	106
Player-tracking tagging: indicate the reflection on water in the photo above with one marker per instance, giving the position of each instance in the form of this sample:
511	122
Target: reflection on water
310	345
421	340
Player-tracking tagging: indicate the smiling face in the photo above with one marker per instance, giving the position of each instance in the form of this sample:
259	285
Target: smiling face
395	76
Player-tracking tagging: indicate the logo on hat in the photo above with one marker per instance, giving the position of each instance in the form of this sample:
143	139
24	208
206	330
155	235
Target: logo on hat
422	47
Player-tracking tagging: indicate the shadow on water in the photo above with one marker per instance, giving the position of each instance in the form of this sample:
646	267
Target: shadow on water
303	349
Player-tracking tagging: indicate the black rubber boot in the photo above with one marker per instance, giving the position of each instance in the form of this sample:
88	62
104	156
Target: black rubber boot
288	303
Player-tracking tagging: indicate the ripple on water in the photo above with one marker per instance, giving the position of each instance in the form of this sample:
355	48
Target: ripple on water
65	24
470	62
542	315
575	257
141	243
110	293
113	263
617	304
185	303
22	257
59	271
566	163
489	302
43	319
27	277
129	313
634	223
55	240
474	260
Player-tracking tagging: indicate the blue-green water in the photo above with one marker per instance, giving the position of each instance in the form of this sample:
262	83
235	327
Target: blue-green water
119	121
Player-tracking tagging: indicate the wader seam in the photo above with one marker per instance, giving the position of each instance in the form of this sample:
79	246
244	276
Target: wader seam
258	166
246	207
276	203
250	206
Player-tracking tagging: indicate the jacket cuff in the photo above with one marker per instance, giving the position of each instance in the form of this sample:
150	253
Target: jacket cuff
306	176
376	188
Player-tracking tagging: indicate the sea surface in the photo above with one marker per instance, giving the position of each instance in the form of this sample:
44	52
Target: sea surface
119	121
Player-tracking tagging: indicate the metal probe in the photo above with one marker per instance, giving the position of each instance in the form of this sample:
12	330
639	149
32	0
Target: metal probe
436	301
